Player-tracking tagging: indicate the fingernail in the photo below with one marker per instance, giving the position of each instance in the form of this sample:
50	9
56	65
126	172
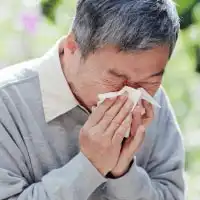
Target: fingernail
130	116
137	108
143	111
123	97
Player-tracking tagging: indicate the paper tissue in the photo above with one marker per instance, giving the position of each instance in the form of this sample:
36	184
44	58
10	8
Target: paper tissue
134	94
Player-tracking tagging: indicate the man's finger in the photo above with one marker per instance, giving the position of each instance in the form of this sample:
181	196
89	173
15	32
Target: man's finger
119	118
111	113
149	114
99	112
120	132
137	120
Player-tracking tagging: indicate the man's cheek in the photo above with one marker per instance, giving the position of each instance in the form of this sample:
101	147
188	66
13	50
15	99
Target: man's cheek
151	88
112	86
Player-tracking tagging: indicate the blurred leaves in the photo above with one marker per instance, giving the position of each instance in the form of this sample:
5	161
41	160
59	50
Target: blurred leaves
196	12
184	5
49	8
198	58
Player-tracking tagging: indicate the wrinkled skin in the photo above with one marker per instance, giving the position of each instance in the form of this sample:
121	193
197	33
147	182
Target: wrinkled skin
108	70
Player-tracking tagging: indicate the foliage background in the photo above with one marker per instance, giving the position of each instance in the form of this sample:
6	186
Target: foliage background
30	27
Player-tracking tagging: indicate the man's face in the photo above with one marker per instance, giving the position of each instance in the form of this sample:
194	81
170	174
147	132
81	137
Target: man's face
108	70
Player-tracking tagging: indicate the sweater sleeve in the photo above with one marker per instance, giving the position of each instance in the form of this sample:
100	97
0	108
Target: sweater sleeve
74	181
163	177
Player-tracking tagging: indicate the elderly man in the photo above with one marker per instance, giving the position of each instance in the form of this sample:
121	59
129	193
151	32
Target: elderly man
52	147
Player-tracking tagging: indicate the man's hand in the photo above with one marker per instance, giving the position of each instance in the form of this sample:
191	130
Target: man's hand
102	135
142	116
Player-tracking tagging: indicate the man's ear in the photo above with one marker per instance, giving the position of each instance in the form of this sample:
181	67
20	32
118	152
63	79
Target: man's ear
71	44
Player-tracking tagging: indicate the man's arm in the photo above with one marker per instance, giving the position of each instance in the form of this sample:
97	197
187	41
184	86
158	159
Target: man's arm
75	181
100	142
163	178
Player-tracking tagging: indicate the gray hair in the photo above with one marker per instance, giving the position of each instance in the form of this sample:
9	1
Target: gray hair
130	25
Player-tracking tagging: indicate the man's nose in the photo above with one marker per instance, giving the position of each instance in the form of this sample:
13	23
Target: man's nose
133	85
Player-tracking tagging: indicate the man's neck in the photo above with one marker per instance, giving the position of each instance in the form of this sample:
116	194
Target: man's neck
72	84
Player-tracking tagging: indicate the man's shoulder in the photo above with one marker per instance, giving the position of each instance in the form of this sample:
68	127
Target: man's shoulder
18	74
160	95
166	111
162	98
19	83
20	89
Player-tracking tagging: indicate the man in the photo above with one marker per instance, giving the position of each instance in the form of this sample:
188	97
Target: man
53	147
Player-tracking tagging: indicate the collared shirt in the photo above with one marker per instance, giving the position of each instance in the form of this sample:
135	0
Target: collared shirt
40	155
57	96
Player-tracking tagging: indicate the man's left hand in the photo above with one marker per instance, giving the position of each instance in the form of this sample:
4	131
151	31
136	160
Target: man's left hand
142	116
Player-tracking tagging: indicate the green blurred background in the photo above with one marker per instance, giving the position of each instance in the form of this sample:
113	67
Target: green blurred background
30	27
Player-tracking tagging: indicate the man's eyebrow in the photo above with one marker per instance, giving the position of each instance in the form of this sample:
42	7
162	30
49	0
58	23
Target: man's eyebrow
158	73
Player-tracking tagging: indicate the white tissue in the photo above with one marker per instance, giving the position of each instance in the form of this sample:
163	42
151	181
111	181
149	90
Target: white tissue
134	94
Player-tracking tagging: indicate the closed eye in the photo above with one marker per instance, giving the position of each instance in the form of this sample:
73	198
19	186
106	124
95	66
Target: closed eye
158	73
118	75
